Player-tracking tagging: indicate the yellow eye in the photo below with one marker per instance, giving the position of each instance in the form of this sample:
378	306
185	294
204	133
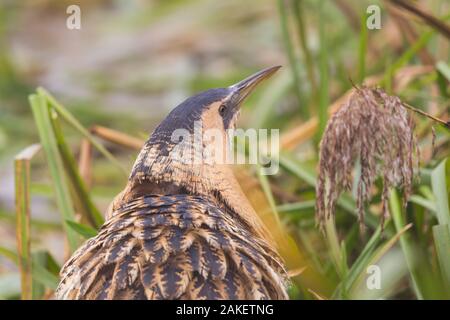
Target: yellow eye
222	109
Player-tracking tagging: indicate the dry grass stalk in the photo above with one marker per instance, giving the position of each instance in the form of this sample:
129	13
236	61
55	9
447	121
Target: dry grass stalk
316	295
118	137
374	129
22	163
296	272
85	162
429	19
410	33
298	135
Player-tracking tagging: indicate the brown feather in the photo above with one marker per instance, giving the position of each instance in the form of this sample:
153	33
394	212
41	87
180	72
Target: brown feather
173	247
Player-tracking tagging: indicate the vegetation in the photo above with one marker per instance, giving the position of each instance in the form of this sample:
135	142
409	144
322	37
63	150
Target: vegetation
76	154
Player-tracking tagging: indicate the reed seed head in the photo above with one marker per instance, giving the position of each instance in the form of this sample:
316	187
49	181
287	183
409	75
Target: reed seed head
373	129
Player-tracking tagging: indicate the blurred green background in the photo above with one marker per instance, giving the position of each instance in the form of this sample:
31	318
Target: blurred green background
132	61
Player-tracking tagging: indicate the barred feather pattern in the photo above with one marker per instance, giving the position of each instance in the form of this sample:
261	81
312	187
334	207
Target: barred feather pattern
173	247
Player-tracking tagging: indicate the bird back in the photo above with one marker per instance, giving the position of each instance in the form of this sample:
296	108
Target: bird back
173	247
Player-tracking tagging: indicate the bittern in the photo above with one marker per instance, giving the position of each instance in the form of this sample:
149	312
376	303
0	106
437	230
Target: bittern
181	229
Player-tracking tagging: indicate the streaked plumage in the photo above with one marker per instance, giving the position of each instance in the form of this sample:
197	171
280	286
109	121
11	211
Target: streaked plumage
173	247
175	233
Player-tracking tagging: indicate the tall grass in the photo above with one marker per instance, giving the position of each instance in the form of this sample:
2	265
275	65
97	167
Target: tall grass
22	182
413	249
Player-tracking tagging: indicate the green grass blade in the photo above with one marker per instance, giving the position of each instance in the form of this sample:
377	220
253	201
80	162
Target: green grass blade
303	36
441	235
362	50
324	99
358	266
443	69
406	56
40	273
405	242
55	165
70	119
440	190
82	198
45	277
83	230
443	78
423	202
292	165
265	185
39	258
296	206
293	61
336	248
22	186
38	223
375	257
9	254
440	177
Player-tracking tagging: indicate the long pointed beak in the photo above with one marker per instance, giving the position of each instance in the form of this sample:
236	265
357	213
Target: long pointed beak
243	88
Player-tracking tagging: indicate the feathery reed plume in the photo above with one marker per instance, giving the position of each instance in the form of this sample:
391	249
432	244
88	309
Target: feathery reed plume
374	129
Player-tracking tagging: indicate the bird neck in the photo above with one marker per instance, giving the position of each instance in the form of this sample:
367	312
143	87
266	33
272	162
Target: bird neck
157	172
229	193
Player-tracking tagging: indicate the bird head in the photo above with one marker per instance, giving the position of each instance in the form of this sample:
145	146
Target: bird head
178	149
173	159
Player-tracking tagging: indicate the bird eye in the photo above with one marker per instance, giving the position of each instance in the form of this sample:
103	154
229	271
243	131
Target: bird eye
222	109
